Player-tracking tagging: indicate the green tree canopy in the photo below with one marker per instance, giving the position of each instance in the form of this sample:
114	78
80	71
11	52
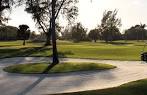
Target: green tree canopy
78	33
137	32
110	25
94	34
8	33
23	33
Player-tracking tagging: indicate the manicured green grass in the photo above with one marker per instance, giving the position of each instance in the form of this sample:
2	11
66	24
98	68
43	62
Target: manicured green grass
132	88
118	50
37	68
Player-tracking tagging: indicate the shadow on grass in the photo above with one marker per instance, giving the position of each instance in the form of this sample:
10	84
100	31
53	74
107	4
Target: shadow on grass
141	45
29	51
65	53
10	45
117	43
60	54
22	52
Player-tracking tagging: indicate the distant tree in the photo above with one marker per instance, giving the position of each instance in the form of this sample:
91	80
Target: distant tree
33	35
94	34
8	33
23	33
137	32
111	34
143	31
78	33
110	25
66	34
41	37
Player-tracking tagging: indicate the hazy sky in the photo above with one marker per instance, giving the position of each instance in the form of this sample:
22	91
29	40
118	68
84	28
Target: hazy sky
131	12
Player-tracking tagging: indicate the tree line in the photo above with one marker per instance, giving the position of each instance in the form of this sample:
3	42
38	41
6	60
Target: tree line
136	32
108	30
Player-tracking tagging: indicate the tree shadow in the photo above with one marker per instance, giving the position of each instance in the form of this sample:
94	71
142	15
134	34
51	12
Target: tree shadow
66	81
49	67
28	51
140	45
117	43
33	85
52	65
10	45
65	53
22	52
59	82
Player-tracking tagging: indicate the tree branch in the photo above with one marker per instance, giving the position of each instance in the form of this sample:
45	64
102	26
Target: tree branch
4	7
59	9
41	27
44	24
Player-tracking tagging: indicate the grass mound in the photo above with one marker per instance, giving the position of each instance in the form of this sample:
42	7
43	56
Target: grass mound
37	68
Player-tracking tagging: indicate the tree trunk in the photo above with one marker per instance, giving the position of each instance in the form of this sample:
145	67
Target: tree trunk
48	38
55	53
95	40
137	37
55	59
24	42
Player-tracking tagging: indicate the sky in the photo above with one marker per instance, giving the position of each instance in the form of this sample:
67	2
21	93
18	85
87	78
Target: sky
131	12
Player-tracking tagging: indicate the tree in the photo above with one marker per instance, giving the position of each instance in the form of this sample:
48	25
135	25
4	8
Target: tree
143	31
23	33
8	33
53	9
111	34
41	11
137	32
33	35
78	33
38	9
110	25
4	5
94	34
66	35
